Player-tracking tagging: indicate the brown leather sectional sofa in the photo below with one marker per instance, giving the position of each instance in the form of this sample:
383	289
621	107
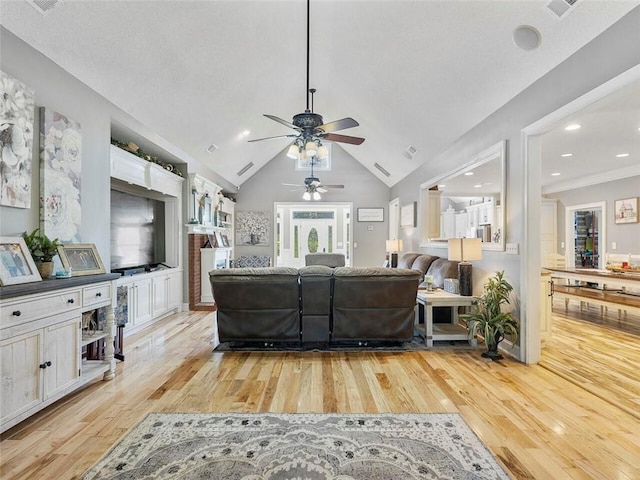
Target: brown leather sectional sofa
439	268
315	306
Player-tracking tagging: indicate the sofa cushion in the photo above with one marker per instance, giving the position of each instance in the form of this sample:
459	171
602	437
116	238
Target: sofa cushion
442	268
407	259
326	259
423	262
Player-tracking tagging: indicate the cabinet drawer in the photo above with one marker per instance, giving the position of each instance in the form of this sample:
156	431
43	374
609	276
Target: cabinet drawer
26	310
96	294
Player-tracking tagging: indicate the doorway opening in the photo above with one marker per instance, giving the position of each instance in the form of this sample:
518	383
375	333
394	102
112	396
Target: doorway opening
585	235
312	228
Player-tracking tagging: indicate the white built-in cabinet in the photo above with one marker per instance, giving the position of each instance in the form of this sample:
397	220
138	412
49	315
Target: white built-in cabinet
150	297
41	342
548	228
546	301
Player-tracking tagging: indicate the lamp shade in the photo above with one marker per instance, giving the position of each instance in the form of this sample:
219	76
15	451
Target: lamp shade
306	196
311	148
323	152
293	152
465	249
394	245
316	196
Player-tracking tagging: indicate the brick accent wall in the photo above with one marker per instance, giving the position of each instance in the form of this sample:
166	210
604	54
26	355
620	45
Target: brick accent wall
196	241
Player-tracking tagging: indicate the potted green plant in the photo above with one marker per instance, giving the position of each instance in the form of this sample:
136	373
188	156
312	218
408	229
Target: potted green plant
42	249
488	319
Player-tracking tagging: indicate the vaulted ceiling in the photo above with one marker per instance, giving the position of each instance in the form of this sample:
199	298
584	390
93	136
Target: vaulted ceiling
419	73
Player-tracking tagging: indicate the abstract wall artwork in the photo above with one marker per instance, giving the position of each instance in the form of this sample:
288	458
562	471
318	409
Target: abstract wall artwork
60	168
16	142
252	228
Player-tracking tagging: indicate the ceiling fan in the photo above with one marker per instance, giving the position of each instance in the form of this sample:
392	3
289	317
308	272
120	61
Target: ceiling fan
310	126
312	186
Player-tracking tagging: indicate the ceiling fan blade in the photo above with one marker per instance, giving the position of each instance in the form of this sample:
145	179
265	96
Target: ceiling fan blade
283	122
269	138
292	185
321	190
315	183
334	137
333	186
338	125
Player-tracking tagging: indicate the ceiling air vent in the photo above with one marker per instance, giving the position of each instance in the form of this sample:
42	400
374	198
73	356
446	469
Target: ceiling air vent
44	6
244	169
561	8
379	167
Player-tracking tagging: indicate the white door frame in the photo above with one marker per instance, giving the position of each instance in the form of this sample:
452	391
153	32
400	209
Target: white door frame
394	219
531	261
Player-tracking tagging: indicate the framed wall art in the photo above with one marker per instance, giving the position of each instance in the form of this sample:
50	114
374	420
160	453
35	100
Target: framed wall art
626	211
408	215
81	259
371	214
16	264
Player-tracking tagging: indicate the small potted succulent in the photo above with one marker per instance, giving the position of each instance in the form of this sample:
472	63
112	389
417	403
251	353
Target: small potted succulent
488	319
42	249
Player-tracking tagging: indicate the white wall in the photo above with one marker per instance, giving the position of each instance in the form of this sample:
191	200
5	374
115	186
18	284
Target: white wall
626	235
612	53
361	187
55	88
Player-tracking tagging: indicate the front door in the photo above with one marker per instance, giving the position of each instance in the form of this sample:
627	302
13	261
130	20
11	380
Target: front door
312	232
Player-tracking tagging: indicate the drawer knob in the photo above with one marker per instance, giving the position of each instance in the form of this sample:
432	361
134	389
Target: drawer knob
16	313
71	300
99	294
45	365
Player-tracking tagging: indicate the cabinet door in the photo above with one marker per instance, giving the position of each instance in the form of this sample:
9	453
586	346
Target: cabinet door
159	295
62	350
174	290
21	388
142	304
545	307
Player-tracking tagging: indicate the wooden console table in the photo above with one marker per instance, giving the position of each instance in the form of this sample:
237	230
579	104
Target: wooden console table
442	331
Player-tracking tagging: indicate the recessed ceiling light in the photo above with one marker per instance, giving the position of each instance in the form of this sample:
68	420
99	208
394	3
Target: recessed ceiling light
246	132
477	185
573	126
212	148
468	173
567	155
555	174
441	186
622	155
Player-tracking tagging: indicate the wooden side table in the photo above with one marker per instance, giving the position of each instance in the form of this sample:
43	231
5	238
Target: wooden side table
442	331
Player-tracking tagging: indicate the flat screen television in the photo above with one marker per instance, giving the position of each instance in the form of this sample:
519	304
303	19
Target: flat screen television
137	231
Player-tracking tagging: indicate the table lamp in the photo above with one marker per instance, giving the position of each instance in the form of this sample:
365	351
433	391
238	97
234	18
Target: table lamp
393	247
462	250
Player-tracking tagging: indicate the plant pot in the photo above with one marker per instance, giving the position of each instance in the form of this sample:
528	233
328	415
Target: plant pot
45	269
492	350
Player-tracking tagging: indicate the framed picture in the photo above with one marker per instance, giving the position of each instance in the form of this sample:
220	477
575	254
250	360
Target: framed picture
81	259
371	214
626	211
16	264
219	241
212	242
408	215
225	241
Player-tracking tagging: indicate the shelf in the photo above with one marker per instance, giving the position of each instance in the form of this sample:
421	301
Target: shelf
97	336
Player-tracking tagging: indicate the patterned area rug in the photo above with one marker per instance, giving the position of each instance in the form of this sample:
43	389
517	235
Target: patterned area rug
299	446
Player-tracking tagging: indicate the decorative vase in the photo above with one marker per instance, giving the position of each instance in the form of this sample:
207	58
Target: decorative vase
45	269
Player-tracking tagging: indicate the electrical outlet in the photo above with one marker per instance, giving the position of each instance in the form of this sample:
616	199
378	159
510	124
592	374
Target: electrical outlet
614	245
512	249
370	228
561	244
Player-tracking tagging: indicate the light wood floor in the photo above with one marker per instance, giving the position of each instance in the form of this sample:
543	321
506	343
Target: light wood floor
536	422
